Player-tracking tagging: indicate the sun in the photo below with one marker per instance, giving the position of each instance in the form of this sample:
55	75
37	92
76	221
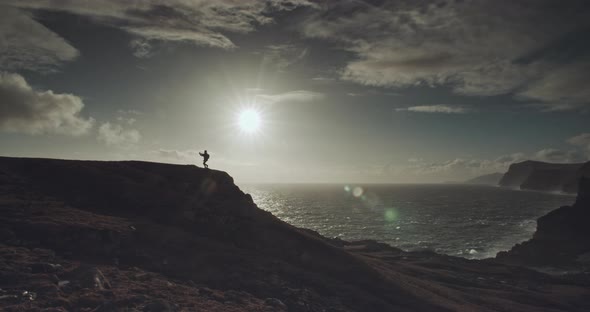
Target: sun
249	121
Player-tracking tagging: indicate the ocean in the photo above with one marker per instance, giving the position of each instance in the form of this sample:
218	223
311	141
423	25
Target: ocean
471	221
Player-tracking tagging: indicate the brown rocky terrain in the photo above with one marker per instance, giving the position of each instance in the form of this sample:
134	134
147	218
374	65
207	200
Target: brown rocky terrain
138	236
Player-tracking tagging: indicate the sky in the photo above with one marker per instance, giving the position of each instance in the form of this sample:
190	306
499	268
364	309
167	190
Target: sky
341	91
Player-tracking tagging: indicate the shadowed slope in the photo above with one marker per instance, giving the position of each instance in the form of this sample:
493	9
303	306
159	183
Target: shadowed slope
193	231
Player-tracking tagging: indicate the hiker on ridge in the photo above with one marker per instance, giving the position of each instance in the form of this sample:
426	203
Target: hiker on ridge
205	158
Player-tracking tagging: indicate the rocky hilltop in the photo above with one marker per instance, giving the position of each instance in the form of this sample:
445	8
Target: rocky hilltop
562	237
139	236
542	176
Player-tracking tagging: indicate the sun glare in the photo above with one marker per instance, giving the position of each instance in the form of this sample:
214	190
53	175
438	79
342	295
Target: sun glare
249	121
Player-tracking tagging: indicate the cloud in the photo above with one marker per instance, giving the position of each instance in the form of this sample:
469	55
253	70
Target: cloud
507	160
322	79
563	88
463	168
27	44
201	37
445	109
283	56
200	22
116	135
25	110
291	96
476	47
141	48
457	169
559	156
581	140
179	155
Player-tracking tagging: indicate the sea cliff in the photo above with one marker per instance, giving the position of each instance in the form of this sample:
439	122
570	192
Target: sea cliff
562	237
542	176
140	236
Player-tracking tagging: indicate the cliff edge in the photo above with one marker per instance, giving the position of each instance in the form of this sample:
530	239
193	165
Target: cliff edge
140	236
542	176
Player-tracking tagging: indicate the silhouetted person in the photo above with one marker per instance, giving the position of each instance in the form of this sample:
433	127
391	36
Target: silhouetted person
205	158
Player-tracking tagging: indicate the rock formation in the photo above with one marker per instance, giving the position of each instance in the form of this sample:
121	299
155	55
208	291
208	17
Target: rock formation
541	176
562	236
139	236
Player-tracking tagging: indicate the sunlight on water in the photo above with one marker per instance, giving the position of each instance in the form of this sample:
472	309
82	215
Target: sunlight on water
462	220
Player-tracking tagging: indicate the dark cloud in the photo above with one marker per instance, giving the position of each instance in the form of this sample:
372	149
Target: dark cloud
476	47
25	110
201	22
26	44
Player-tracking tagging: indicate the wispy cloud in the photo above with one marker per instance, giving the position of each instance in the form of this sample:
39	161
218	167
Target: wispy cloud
177	155
562	88
117	135
291	96
203	22
445	109
27	44
284	55
582	140
559	156
458	169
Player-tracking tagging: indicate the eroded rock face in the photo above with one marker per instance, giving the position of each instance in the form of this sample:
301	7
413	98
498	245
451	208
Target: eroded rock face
562	236
541	176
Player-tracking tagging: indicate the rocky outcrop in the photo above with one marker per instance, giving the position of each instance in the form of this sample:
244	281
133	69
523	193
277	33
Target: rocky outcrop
486	179
139	236
541	176
562	236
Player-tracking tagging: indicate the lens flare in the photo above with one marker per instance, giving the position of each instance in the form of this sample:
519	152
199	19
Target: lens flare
390	214
357	191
